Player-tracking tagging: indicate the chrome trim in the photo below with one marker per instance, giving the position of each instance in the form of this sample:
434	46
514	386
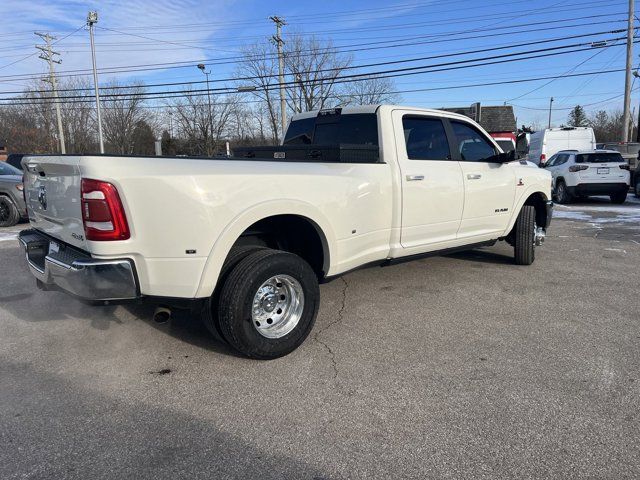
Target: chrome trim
414	178
84	277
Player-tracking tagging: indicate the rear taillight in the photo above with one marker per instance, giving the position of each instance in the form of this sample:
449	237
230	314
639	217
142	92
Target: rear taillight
625	167
102	212
543	158
577	168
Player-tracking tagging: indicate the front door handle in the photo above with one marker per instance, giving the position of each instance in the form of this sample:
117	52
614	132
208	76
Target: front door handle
474	176
414	178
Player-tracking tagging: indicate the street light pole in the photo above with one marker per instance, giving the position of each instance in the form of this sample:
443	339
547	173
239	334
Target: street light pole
92	18
550	105
202	68
626	115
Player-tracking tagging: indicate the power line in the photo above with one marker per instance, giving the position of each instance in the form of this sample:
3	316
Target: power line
468	52
348	79
189	64
415	90
368	65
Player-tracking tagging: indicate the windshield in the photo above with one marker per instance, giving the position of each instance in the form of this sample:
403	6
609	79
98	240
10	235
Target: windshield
599	158
6	169
505	145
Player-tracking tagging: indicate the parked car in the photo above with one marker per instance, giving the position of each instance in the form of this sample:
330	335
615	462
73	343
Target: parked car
546	143
594	172
506	144
247	239
15	159
12	206
630	151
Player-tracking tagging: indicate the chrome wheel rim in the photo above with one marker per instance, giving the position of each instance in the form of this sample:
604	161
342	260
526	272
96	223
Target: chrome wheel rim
277	306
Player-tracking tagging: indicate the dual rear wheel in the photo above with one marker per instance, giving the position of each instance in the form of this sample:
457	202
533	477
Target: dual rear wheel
266	302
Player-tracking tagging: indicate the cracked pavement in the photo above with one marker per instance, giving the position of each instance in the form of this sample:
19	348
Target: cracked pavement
464	366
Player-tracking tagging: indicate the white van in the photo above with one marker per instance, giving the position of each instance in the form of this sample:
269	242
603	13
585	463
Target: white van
546	143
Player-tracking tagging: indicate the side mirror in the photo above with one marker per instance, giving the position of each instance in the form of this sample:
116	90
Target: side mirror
507	157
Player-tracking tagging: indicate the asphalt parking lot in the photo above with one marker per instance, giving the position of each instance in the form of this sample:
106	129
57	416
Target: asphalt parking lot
465	366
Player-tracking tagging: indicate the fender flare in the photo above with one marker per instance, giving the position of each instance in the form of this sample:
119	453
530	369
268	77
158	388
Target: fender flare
222	245
520	203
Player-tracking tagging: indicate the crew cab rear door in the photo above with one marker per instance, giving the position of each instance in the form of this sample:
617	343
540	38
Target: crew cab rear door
52	190
431	182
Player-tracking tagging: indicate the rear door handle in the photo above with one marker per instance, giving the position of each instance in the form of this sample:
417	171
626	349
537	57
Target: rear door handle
474	176
414	178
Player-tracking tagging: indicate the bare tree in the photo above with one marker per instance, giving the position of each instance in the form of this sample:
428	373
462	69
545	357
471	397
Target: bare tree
260	67
369	91
78	115
121	114
203	132
313	66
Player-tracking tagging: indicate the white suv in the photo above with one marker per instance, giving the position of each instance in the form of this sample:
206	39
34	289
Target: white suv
583	173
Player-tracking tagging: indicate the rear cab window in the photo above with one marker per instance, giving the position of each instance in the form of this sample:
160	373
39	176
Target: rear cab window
330	127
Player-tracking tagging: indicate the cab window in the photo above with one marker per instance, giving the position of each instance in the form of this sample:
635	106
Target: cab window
425	138
472	145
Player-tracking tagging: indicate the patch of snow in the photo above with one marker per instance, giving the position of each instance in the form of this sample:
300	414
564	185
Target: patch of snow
5	237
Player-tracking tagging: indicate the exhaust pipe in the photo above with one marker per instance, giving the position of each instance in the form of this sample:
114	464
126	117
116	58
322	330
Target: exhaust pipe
162	315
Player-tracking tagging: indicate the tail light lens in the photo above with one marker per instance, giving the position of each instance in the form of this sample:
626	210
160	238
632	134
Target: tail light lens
543	158
577	168
625	167
102	212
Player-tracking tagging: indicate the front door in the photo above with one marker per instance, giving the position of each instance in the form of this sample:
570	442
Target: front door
489	187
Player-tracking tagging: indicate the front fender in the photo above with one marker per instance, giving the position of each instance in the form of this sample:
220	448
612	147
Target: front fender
248	217
530	190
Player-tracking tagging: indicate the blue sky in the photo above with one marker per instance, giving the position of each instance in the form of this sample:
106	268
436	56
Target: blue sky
186	31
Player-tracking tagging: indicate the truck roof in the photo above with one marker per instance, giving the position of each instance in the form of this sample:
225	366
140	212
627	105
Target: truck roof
374	108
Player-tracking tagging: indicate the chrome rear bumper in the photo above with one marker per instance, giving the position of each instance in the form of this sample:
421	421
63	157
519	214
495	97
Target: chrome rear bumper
61	267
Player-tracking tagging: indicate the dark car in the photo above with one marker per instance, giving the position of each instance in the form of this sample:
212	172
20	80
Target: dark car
14	160
12	206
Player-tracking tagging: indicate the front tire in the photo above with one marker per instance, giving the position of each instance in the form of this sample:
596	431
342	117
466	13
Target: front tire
618	198
524	238
268	304
9	214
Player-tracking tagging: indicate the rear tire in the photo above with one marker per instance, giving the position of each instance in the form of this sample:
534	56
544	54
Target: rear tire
618	198
524	247
247	304
636	187
562	194
209	313
9	214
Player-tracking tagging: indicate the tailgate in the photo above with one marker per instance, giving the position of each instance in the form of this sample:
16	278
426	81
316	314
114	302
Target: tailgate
603	172
52	190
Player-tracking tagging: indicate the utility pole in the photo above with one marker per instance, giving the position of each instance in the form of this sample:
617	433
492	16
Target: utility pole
277	38
92	18
550	105
627	80
48	56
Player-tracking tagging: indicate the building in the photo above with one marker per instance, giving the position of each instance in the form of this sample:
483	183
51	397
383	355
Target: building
499	121
3	152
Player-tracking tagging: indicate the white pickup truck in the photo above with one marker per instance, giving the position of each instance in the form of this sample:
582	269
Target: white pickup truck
246	240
